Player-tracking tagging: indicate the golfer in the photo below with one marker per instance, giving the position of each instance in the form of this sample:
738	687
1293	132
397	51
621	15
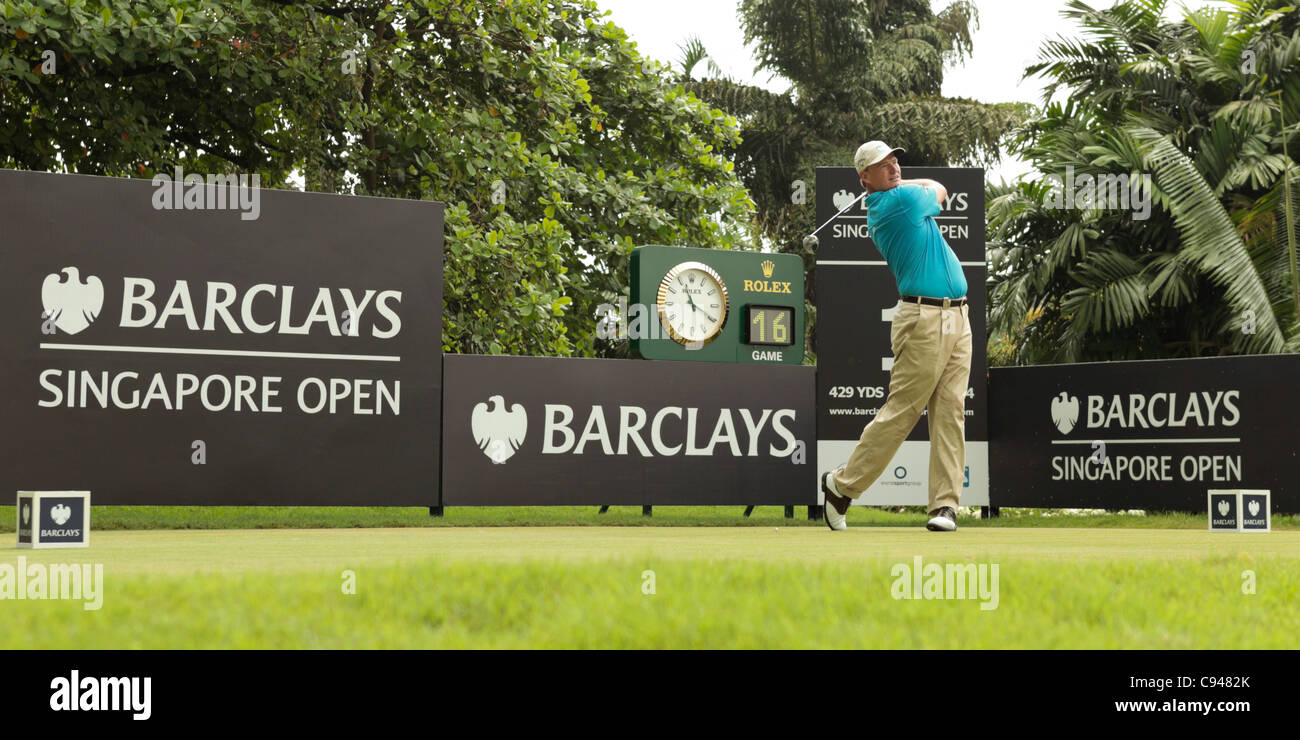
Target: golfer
930	338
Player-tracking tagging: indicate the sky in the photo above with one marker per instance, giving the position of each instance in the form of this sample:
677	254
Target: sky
1007	40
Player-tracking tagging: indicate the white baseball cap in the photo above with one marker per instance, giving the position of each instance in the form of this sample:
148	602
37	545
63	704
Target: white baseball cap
873	152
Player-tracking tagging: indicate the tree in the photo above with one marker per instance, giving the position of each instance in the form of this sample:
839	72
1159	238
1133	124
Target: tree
556	146
1200	106
859	69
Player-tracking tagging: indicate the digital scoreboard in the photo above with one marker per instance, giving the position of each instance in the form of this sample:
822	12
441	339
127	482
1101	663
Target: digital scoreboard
769	325
716	305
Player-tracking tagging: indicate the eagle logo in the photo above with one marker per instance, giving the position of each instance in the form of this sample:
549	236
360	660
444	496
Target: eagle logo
1254	508
71	303
498	432
842	199
27	514
1065	412
61	513
1223	507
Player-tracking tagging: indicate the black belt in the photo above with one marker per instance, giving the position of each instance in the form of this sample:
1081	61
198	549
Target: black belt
934	301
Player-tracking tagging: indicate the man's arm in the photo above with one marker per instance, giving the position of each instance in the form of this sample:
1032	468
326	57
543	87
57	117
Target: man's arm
939	190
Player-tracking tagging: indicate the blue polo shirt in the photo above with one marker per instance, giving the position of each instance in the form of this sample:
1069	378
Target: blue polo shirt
901	223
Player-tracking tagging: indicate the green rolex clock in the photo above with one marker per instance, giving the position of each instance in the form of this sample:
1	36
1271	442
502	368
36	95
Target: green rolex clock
716	305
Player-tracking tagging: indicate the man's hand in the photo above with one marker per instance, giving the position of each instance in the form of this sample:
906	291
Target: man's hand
938	189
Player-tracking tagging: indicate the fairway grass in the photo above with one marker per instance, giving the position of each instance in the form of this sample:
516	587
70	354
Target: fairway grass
322	517
724	587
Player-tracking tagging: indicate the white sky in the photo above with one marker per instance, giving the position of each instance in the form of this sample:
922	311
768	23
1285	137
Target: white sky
1008	38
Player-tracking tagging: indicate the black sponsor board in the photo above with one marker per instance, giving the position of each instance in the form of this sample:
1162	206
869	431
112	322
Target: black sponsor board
548	431
1152	435
856	293
287	352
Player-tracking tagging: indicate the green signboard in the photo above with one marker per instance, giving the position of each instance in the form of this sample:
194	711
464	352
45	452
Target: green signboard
716	305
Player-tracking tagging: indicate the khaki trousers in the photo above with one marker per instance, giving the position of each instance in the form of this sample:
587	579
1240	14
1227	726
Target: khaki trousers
932	355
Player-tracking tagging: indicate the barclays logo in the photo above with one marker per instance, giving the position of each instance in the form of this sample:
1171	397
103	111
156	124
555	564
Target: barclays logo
1065	412
72	304
498	432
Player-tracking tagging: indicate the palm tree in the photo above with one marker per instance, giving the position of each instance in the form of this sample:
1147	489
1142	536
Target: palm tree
1200	106
693	54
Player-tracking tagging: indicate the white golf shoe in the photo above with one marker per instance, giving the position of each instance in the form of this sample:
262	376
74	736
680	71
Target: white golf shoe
944	520
835	510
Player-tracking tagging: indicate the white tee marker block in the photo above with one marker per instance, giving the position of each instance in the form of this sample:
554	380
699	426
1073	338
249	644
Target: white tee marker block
1256	513
1239	510
53	519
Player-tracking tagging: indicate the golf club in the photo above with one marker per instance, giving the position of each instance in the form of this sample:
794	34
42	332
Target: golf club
811	241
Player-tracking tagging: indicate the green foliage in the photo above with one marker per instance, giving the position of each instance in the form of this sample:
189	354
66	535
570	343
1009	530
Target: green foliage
1206	107
556	146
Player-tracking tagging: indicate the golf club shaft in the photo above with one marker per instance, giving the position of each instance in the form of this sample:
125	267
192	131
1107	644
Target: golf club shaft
841	213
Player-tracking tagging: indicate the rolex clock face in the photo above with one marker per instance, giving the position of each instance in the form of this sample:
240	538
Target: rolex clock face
692	303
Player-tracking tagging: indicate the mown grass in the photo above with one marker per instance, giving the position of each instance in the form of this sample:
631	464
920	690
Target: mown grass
1109	604
725	587
108	518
